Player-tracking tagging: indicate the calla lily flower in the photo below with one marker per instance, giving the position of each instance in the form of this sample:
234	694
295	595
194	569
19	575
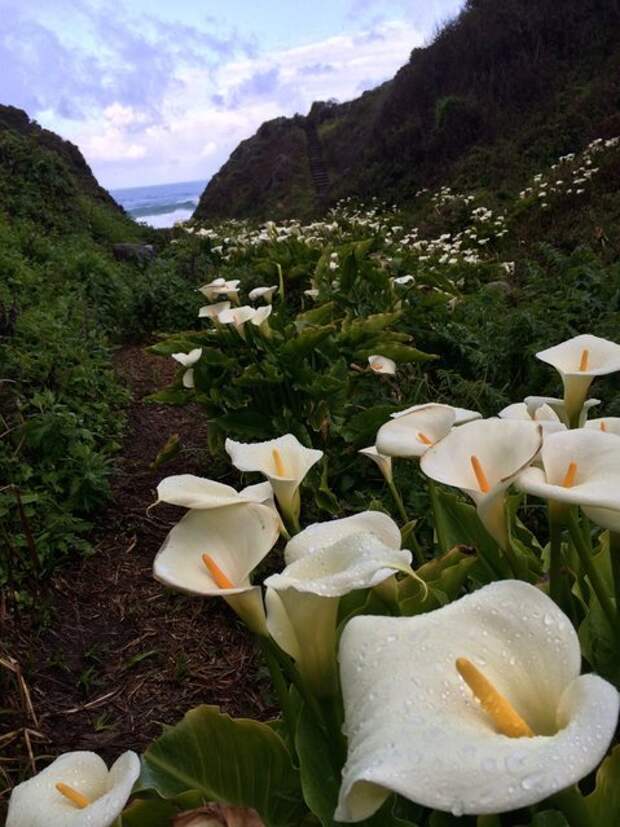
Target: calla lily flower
190	491
579	361
76	790
284	461
220	287
238	317
475	708
579	467
461	415
266	293
610	424
384	462
544	415
401	281
558	406
211	552
212	311
187	360
482	458
302	601
381	364
313	293
412	434
259	319
322	535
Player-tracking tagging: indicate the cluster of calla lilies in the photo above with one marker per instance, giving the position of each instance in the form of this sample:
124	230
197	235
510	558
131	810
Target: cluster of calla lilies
477	707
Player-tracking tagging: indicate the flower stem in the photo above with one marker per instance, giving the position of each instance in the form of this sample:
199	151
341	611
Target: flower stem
557	590
614	553
280	685
437	521
591	572
417	548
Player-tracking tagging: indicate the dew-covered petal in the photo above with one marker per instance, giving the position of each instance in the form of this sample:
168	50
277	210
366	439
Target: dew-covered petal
414	727
321	535
37	802
237	538
356	561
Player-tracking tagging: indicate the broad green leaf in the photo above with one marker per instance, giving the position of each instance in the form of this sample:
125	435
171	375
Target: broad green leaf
305	343
147	814
320	315
400	353
604	803
236	761
318	767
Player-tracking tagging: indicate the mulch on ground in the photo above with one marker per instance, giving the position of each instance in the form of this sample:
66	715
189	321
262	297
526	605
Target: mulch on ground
120	655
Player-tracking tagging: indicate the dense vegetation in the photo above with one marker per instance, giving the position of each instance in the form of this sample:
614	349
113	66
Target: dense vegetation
64	303
503	88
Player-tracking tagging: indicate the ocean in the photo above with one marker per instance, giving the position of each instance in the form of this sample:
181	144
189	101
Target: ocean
160	205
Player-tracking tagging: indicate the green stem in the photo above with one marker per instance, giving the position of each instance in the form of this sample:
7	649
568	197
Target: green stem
556	561
280	686
417	548
614	553
591	572
436	508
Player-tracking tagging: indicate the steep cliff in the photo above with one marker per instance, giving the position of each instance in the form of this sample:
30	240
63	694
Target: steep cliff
501	89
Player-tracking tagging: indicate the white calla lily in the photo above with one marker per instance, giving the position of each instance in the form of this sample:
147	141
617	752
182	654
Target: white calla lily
533	403
259	319
384	462
312	293
284	461
266	293
237	317
321	535
610	424
190	491
188	360
415	727
220	287
544	415
211	552
381	364
75	790
579	467
302	601
402	281
482	458
461	415
579	361
212	311
412	434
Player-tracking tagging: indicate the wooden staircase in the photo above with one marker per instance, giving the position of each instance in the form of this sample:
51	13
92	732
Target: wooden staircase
318	171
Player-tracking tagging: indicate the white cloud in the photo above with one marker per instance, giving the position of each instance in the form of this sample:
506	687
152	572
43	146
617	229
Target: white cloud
207	111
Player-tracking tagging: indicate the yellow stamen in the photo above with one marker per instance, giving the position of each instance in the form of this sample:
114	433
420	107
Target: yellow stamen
481	477
585	356
603	426
569	479
424	439
216	573
74	796
506	719
277	459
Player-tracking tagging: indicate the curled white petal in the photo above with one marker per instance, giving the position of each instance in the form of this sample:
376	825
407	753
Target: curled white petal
413	725
37	802
412	434
381	364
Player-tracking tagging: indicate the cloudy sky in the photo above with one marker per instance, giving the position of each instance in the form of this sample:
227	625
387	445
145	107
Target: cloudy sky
155	91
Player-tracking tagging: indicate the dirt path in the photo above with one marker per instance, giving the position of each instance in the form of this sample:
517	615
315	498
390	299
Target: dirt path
120	655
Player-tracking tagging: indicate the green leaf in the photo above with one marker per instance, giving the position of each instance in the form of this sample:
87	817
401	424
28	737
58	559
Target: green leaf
237	761
398	352
348	273
316	316
245	424
305	343
147	814
320	778
604	803
550	818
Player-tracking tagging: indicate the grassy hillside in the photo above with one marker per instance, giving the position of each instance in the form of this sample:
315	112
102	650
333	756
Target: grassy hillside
502	90
65	302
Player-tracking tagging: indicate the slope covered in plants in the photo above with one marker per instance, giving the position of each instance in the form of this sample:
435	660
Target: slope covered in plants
503	89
